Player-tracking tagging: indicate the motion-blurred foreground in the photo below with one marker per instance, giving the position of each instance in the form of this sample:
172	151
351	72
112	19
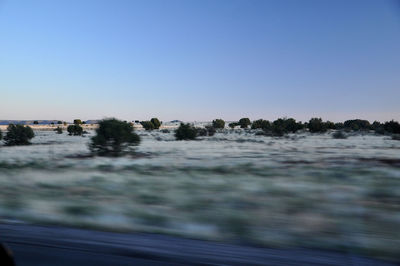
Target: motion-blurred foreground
303	190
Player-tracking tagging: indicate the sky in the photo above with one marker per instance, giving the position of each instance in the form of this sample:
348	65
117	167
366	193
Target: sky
199	60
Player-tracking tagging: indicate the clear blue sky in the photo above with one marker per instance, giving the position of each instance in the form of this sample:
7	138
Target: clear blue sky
199	60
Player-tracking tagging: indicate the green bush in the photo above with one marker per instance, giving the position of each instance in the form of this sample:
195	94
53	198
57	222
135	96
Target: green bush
77	122
315	125
75	130
208	130
218	123
114	138
260	124
185	132
58	130
148	125
287	125
392	127
18	135
357	124
156	123
233	125
244	122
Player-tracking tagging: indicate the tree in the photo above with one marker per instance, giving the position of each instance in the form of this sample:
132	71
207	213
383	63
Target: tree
114	138
316	125
75	130
156	123
244	122
392	127
18	135
185	132
357	124
148	125
218	123
77	122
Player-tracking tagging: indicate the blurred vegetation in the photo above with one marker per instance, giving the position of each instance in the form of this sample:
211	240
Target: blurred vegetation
114	138
147	125
233	125
186	132
58	130
18	135
218	123
1	135
339	135
208	130
156	123
35	122
244	122
315	125
260	124
357	124
75	130
77	122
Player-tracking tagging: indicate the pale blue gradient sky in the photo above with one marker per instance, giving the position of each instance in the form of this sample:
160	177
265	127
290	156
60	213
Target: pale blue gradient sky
199	60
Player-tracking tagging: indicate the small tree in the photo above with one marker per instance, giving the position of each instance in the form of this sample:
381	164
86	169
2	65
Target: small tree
148	125
156	123
18	135
185	132
58	130
75	130
260	124
114	138
77	122
218	123
244	122
316	125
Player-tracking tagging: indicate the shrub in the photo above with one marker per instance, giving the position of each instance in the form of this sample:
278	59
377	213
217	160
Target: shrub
58	130
59	122
148	125
339	125
233	125
206	131
35	122
1	135
185	132
211	130
164	131
75	130
218	123
18	135
330	125
339	135
156	123
260	124
287	125
357	124
392	127
244	122
316	125
77	122
114	138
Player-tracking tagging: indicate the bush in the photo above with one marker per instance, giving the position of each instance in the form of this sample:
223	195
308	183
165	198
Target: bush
206	131
260	124
148	125
185	132
58	130
59	122
316	125
77	122
114	138
392	127
75	130
339	135
1	135
244	122
35	122
233	125
18	135
218	123
156	123
357	124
